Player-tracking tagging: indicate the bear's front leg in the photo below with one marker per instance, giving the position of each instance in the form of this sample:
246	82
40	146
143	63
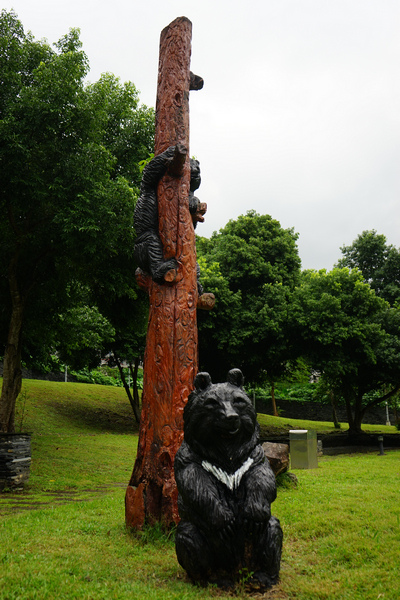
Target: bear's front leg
207	530
201	499
155	169
263	533
260	486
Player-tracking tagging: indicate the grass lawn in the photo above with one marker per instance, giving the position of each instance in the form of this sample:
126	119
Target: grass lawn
284	424
64	536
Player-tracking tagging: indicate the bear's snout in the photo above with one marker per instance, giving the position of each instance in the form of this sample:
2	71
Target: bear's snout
230	420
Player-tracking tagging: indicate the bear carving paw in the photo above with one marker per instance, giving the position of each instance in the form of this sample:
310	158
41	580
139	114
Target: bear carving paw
171	275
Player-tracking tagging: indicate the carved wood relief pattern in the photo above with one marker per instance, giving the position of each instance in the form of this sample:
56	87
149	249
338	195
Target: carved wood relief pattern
171	348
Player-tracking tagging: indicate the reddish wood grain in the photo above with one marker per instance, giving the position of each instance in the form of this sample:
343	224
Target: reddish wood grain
171	348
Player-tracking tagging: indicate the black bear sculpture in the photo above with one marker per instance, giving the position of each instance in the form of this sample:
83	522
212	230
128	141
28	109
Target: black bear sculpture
148	251
226	487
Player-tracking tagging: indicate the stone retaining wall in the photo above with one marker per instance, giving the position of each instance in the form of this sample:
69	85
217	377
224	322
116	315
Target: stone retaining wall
29	374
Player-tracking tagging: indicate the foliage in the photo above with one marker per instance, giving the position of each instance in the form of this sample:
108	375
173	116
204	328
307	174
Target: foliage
69	154
299	373
84	334
221	322
95	376
126	129
44	363
252	266
254	250
301	393
378	262
350	335
105	376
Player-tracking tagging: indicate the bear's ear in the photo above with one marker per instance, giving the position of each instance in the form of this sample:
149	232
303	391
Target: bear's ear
202	381
235	377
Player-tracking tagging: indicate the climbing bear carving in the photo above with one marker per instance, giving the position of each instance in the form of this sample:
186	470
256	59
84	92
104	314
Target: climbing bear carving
226	487
149	253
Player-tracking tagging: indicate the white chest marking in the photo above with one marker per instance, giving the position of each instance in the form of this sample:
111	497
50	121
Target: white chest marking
231	481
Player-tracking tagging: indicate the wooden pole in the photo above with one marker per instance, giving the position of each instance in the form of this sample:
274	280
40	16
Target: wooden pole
170	363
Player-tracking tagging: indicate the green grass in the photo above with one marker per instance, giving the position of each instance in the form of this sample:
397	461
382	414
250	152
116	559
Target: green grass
84	435
284	424
47	407
342	529
64	536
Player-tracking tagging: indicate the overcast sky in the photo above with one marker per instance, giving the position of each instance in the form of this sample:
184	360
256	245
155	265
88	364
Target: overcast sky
299	115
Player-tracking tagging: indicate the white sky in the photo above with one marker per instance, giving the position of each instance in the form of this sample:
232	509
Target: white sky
299	115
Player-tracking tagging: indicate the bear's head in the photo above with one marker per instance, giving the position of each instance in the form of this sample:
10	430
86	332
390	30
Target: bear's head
220	423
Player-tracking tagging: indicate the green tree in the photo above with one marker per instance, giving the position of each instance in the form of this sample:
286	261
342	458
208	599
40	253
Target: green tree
64	193
218	328
83	335
252	266
378	261
351	336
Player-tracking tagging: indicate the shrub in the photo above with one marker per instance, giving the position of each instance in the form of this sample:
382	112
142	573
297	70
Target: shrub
96	376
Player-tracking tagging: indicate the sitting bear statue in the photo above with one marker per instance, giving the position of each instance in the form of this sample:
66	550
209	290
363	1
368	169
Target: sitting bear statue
226	487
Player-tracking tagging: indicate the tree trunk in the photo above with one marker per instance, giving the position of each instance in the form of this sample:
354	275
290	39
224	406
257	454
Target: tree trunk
12	373
170	362
354	415
274	409
134	373
334	413
127	389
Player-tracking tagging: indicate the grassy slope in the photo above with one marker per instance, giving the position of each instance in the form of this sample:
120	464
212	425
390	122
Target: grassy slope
341	524
82	434
284	424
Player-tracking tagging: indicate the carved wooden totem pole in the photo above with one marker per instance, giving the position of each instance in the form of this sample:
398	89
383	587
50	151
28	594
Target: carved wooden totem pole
167	255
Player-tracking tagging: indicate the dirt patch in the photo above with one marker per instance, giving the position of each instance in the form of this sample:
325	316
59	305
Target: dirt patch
97	419
14	502
269	430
